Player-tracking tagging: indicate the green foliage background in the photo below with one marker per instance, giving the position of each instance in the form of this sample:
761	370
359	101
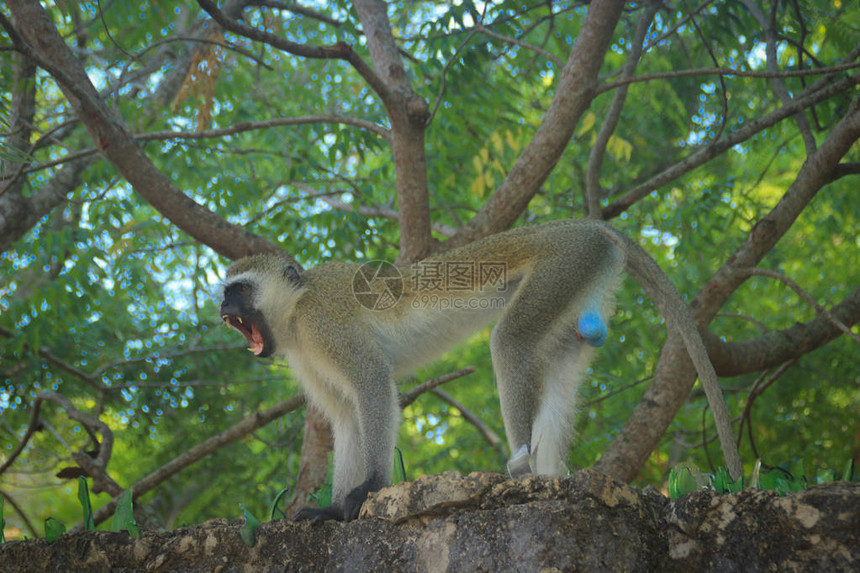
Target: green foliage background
109	287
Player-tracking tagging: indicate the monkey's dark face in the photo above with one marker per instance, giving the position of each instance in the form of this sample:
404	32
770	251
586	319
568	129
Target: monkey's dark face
238	311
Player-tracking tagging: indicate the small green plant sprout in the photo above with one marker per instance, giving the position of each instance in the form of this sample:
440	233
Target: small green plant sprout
399	467
780	479
825	476
86	506
848	470
276	512
123	517
722	482
322	496
248	531
54	528
684	479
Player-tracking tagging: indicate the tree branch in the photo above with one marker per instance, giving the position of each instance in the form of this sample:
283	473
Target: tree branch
761	384
574	93
776	83
409	397
675	372
844	170
371	211
233	129
489	435
200	451
296	9
813	175
729	72
409	114
95	467
806	298
339	51
40	40
593	190
20	512
778	346
746	131
19	214
90	379
555	60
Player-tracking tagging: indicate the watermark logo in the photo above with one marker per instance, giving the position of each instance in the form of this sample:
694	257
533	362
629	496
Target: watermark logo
439	285
377	285
454	277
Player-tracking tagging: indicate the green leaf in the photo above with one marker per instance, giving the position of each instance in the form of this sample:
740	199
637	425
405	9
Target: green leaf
86	506
249	529
722	482
781	480
53	529
399	467
274	508
123	517
848	472
755	479
681	482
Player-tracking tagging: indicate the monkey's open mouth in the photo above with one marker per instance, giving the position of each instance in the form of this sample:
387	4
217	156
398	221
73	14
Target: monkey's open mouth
249	330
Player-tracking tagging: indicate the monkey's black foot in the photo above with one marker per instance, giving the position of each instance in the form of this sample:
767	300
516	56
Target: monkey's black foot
355	499
318	514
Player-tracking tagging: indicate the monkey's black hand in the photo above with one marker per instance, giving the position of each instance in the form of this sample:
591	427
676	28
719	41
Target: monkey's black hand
318	514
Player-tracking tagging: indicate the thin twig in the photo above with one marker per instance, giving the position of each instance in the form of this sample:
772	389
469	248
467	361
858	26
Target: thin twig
95	467
233	129
725	72
807	298
296	9
407	398
617	391
339	51
760	325
444	82
489	435
556	61
20	511
243	428
594	192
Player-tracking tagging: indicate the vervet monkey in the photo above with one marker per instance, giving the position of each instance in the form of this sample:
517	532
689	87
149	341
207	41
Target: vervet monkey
349	331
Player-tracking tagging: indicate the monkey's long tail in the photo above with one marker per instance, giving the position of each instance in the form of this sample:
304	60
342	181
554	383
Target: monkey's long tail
645	271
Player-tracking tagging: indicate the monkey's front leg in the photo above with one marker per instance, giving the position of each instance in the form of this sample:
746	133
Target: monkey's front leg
349	469
365	429
378	420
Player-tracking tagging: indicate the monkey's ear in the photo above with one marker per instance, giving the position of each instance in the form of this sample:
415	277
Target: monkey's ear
292	275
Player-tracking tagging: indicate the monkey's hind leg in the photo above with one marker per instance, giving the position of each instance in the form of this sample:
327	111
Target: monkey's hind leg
519	370
522	346
552	430
539	423
542	346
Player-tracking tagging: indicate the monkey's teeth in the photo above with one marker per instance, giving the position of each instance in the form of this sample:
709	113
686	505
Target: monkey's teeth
239	318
